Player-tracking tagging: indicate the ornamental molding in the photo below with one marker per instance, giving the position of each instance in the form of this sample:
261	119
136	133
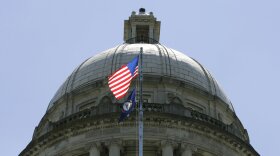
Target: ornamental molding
86	125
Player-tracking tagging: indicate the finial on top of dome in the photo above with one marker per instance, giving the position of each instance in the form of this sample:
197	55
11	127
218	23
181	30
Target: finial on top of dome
142	10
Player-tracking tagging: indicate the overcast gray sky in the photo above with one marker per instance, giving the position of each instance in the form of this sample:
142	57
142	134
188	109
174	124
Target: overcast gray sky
41	42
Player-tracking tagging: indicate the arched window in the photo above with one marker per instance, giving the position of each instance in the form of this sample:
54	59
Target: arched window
106	106
105	100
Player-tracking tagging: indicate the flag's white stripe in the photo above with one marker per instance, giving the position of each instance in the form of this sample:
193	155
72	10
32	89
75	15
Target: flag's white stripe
118	81
119	71
119	76
120	90
135	76
122	70
113	77
136	71
121	84
122	93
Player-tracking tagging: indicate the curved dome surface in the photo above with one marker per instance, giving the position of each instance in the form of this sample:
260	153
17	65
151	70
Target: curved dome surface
158	60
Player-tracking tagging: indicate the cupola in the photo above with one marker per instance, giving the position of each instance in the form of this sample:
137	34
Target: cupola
141	27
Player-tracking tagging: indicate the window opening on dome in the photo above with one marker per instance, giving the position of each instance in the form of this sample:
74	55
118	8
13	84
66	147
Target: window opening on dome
61	115
147	98
142	33
145	101
220	117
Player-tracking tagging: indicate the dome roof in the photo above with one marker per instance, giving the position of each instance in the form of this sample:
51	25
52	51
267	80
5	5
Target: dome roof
158	60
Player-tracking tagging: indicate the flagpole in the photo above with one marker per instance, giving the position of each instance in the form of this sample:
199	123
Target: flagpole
140	118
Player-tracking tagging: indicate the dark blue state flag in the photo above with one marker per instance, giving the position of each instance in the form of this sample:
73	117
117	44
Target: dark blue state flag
128	106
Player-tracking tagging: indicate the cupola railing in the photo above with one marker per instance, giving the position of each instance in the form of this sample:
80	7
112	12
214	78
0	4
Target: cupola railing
141	39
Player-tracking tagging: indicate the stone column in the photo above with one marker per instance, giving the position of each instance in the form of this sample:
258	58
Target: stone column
114	148
151	31
167	148
187	150
94	150
133	34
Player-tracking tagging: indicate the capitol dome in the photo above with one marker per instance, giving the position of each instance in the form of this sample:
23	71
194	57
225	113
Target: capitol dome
186	112
158	61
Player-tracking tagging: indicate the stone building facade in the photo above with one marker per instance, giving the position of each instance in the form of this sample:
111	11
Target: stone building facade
186	113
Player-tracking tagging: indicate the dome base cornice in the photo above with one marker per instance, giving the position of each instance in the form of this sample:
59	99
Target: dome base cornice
154	123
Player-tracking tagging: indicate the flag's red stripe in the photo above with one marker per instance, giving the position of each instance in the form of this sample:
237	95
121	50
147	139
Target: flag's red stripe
119	78
118	91
123	68
122	80
123	92
119	96
135	73
118	86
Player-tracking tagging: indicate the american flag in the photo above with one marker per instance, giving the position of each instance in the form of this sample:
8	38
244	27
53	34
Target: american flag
119	82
